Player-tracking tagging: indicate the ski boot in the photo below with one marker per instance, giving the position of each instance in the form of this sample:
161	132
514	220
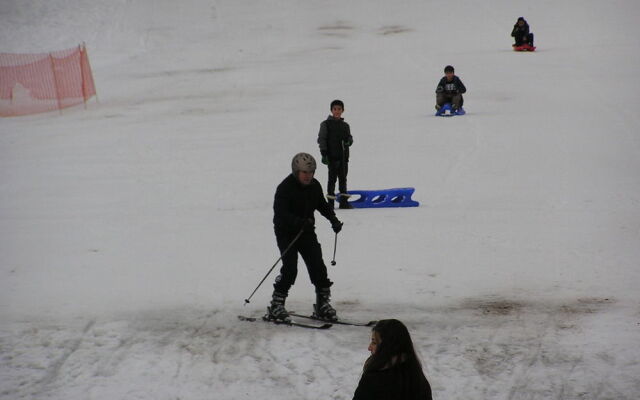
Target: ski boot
276	311
322	309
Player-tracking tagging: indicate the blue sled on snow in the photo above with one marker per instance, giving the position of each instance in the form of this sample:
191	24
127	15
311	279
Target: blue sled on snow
447	111
398	197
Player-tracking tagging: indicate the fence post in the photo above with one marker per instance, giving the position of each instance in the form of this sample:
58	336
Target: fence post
84	88
55	83
85	57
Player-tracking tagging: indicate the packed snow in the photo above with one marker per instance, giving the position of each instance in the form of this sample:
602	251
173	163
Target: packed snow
133	230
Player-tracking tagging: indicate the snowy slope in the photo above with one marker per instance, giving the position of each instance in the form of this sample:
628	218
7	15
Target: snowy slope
132	231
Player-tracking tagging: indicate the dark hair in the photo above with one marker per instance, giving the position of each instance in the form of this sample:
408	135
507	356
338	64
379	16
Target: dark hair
395	352
336	103
448	68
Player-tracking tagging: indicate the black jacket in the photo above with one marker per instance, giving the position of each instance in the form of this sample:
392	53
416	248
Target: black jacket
453	87
335	138
387	385
520	31
294	203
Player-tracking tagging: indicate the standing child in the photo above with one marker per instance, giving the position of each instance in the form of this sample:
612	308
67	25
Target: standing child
297	197
522	35
335	139
450	90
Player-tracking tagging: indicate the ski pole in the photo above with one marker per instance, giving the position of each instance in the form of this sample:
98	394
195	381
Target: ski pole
246	301
335	245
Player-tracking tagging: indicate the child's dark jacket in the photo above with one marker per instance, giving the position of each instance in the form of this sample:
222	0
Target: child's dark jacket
454	87
520	31
335	138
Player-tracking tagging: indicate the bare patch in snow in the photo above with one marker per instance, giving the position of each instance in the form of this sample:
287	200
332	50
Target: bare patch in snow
339	29
393	30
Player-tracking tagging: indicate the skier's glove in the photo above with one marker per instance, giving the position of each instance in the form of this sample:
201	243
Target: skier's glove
325	160
336	226
348	142
439	89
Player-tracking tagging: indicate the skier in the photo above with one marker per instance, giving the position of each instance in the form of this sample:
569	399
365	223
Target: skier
521	34
296	199
335	139
450	90
393	370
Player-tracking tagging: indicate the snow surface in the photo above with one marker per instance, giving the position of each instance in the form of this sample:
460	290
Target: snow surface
132	231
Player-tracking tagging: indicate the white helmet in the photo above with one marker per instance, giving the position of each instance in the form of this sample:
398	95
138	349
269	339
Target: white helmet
303	162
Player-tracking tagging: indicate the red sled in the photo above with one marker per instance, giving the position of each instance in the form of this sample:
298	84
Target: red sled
524	47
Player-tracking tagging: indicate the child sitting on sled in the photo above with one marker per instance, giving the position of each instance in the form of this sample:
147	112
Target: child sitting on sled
450	90
522	36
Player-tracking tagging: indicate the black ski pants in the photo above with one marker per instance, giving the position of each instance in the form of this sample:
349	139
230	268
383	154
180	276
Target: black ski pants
456	100
524	39
337	171
310	250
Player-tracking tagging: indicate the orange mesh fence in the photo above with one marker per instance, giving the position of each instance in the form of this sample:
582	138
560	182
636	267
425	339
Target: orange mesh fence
34	83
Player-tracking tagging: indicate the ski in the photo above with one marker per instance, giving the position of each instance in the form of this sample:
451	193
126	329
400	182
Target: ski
326	325
339	321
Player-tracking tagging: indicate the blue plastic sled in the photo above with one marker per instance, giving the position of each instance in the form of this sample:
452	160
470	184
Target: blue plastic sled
398	197
447	111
